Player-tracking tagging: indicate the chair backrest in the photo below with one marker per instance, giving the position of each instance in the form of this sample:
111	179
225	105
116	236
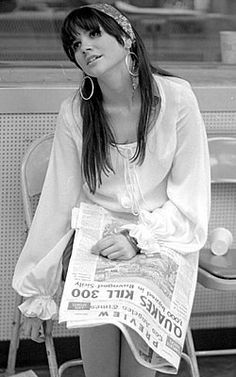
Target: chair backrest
33	170
223	159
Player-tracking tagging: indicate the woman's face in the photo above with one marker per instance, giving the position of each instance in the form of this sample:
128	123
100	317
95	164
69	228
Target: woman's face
98	52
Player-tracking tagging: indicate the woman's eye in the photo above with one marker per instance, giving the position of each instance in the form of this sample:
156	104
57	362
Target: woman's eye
76	45
95	33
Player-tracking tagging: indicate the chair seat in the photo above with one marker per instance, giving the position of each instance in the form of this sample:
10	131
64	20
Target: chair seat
223	267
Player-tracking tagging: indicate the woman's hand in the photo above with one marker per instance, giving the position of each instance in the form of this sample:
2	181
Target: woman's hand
114	246
34	328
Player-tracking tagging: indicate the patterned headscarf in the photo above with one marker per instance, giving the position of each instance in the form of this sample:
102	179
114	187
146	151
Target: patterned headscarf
116	15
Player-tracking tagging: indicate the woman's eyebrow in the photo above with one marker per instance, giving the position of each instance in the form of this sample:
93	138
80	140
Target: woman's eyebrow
76	40
77	33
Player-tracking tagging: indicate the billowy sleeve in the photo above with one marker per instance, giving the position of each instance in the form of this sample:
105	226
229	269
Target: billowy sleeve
182	222
37	275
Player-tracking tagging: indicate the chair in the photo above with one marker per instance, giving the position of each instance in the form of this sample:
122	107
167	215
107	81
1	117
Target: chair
33	170
219	272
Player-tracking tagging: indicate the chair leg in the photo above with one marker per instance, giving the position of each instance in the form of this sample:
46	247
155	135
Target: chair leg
191	353
51	354
15	336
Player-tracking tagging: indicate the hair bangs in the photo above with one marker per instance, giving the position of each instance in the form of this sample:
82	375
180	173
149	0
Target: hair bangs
85	19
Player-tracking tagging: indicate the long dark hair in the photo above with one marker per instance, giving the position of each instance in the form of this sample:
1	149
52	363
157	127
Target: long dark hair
97	134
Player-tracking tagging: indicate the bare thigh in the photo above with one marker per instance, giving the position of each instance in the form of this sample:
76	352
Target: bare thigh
100	350
129	367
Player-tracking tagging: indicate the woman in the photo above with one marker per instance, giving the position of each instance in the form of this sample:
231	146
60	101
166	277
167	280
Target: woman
131	140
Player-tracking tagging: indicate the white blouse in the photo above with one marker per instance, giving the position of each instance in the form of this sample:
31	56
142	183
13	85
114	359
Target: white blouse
166	199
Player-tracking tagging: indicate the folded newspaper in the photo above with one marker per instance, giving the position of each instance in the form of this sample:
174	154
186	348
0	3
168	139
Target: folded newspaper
149	297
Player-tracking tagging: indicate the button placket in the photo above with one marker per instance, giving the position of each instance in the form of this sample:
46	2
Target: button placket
130	182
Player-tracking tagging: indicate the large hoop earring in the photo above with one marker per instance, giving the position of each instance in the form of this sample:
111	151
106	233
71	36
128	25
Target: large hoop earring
135	64
82	87
134	73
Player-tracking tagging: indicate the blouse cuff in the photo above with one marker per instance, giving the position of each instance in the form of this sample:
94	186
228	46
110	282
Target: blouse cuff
144	237
43	307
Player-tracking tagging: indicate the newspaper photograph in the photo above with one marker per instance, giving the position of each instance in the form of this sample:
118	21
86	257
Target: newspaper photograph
149	297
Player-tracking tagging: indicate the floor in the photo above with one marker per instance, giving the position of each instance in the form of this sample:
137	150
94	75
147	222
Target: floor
214	366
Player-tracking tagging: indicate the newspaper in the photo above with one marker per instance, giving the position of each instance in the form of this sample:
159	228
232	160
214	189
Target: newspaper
149	297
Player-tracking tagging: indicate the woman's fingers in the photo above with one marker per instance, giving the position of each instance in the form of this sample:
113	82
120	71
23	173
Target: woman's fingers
103	244
37	334
33	329
28	323
114	247
110	250
48	326
115	255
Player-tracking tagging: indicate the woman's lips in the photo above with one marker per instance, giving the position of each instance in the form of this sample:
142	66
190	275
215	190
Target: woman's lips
92	59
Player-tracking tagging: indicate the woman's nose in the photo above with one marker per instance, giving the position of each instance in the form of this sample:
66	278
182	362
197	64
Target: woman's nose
85	44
